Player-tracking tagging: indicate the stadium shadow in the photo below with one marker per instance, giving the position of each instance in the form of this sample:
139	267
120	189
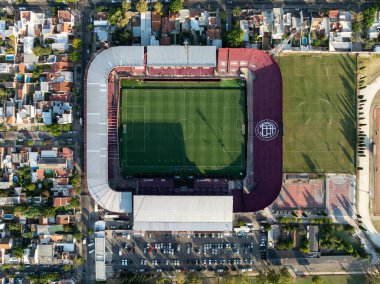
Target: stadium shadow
312	165
162	149
348	122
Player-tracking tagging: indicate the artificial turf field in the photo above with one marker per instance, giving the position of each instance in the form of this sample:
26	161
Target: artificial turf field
182	128
319	112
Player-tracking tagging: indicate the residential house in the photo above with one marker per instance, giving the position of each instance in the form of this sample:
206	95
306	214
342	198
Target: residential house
340	23
101	28
374	30
61	201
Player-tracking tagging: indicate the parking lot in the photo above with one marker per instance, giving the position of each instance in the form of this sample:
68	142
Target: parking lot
195	252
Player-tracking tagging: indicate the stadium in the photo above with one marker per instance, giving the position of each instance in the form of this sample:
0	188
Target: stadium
181	137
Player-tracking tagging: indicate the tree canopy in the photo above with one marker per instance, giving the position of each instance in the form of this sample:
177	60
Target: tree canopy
120	16
235	36
158	8
40	50
142	6
77	43
74	56
175	6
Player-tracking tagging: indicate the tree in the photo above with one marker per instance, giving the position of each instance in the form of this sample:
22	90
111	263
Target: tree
369	17
31	187
236	12
74	203
46	193
75	180
242	278
3	92
158	8
180	278
285	275
74	56
316	279
78	236
123	37
49	276
273	276
126	6
18	252
261	278
77	43
68	228
305	245
40	50
15	229
227	278
193	278
175	6
78	261
67	267
119	16
160	278
235	36
357	26
317	42
142	6
48	211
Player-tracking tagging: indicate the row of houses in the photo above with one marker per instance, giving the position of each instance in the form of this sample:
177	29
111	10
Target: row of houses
188	26
270	27
37	74
50	171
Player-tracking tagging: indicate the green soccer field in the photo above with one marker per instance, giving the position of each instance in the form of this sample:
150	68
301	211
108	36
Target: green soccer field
319	112
181	128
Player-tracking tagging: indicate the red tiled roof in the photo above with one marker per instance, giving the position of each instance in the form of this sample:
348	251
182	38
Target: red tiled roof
212	21
67	153
62	219
62	173
40	174
333	14
213	34
56	238
64	15
101	16
10	119
61	201
156	25
21	67
62	181
60	66
165	40
59	97
61	87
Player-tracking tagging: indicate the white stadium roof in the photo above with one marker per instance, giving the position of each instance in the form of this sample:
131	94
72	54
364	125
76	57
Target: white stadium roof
96	125
182	213
187	56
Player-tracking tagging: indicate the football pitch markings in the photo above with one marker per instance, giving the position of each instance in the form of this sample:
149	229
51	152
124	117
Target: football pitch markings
182	130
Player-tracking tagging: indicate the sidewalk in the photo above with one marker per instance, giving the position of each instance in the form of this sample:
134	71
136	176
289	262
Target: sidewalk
363	185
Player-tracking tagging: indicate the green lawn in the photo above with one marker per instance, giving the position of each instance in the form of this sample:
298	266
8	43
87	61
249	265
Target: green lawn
182	128
337	279
319	112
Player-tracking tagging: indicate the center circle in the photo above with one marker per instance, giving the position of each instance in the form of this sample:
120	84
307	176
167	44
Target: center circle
184	129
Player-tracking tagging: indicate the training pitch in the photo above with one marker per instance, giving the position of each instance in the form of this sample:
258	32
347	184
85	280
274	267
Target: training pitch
319	114
187	127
